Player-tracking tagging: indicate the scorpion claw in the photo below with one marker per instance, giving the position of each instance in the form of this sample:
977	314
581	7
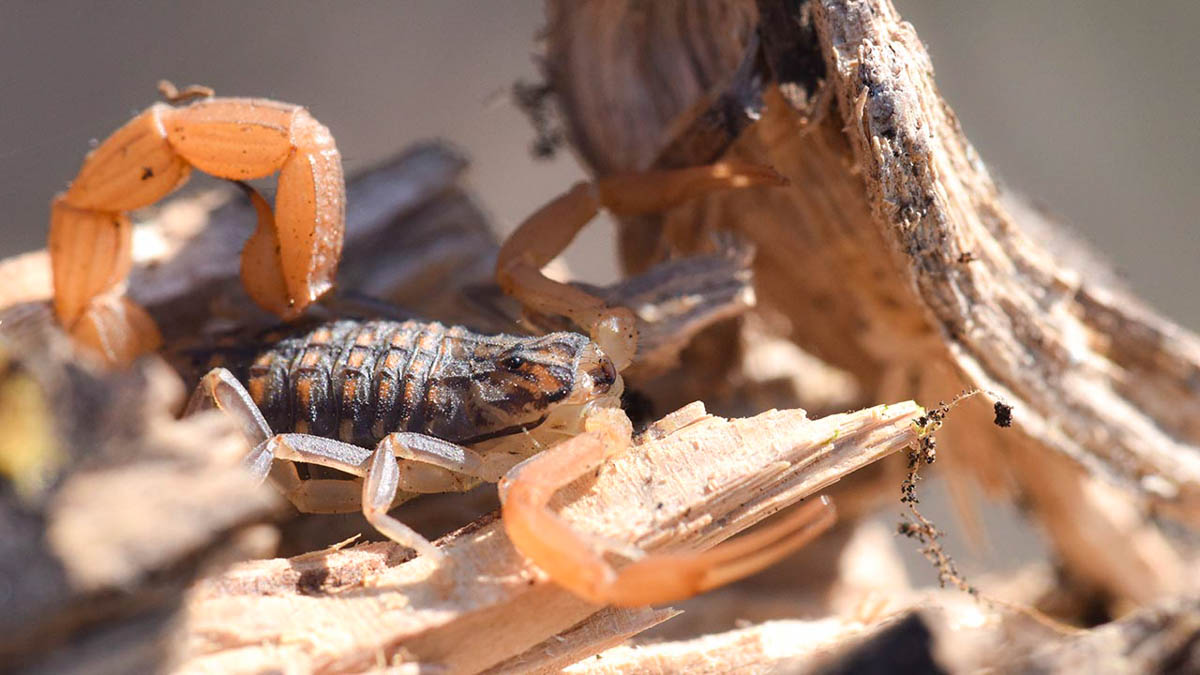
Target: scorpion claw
616	333
569	559
549	231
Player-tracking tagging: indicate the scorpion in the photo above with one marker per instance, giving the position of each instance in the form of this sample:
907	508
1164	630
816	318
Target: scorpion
403	408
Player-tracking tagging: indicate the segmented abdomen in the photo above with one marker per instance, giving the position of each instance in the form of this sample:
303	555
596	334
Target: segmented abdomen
353	381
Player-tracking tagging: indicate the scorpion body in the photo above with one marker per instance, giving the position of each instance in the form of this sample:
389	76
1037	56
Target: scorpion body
397	409
358	381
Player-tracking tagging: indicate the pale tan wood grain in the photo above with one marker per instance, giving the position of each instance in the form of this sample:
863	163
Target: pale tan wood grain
695	480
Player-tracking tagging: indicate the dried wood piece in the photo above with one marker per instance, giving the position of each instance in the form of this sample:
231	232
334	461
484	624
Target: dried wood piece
854	571
1075	359
109	505
894	256
624	50
1164	638
692	481
1013	320
602	630
776	646
937	633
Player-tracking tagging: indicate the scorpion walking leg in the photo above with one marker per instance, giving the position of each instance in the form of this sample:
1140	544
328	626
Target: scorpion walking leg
401	461
431	465
426	465
379	468
549	231
220	390
657	578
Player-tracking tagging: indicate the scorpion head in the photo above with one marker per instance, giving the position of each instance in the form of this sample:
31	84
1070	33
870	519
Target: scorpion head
521	384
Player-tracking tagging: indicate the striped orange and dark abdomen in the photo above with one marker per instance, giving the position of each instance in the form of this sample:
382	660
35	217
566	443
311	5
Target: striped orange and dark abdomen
359	381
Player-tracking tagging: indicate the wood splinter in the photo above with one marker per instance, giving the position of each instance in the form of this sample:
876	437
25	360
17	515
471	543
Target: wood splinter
691	481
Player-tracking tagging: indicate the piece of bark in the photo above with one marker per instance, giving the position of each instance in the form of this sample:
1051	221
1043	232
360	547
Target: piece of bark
894	256
604	629
109	506
692	481
855	571
1102	380
1096	378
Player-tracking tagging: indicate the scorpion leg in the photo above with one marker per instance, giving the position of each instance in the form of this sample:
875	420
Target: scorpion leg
402	462
378	492
431	465
656	578
549	231
220	390
426	465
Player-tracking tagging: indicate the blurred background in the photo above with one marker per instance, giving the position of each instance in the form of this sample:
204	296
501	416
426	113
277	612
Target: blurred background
1087	106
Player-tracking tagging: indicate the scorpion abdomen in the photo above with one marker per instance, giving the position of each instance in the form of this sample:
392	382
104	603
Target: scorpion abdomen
358	381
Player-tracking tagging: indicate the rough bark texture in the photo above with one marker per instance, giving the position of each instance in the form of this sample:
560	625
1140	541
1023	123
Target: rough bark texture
894	256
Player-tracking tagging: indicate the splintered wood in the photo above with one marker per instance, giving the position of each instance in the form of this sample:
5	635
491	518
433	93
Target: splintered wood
692	481
1075	357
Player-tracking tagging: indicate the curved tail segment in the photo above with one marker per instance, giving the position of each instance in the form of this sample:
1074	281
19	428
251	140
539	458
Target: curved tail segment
288	262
